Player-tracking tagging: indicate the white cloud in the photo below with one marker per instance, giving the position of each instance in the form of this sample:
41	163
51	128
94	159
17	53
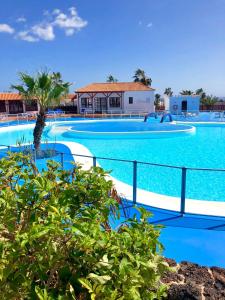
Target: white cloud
26	36
38	32
149	25
73	11
21	20
140	23
6	28
69	22
43	31
69	31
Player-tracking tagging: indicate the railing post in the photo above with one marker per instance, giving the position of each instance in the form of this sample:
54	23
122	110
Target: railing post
94	161
62	159
134	182
183	190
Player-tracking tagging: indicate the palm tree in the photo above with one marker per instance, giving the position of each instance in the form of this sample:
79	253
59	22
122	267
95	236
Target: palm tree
168	92
186	92
140	76
201	93
209	101
110	78
46	89
157	100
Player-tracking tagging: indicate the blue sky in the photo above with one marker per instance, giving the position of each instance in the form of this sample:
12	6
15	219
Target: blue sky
179	43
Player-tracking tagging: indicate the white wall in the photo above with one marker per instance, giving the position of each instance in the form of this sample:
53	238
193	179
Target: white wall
87	110
166	99
143	101
174	105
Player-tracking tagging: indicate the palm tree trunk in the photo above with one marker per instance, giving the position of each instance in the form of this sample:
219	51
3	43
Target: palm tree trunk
38	130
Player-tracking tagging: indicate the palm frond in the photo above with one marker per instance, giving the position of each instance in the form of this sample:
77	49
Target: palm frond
19	88
28	81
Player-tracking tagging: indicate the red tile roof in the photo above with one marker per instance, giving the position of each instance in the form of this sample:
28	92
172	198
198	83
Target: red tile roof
10	96
115	87
16	96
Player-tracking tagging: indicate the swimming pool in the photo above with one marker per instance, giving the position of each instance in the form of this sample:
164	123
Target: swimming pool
126	129
203	148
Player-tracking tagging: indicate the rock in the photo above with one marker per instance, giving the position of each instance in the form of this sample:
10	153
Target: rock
219	277
195	273
186	291
171	262
194	282
170	277
211	293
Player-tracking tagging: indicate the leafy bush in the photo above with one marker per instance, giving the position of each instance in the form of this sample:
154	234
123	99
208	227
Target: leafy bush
56	241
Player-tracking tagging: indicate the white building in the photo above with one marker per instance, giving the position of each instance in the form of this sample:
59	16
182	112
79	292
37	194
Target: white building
182	103
115	97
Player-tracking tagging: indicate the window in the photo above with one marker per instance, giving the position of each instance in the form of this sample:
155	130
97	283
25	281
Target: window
114	101
131	101
31	105
86	102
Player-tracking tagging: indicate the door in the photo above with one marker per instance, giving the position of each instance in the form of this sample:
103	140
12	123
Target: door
101	105
184	105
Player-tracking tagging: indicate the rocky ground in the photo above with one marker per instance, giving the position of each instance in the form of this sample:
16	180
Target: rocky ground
193	282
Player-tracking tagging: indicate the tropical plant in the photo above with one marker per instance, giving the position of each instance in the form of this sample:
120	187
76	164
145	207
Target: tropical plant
209	101
111	78
46	89
140	76
168	91
186	92
56	241
200	92
157	100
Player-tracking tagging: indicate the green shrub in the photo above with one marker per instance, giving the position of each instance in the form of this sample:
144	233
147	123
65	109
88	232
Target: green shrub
56	241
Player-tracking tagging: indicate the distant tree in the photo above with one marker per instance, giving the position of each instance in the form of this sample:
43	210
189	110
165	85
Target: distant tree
209	101
168	92
200	92
110	78
140	76
157	100
186	92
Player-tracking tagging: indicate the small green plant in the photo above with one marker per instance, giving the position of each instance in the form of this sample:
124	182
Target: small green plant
27	148
23	145
56	241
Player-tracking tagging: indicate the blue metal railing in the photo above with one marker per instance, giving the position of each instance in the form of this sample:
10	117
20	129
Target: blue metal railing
135	165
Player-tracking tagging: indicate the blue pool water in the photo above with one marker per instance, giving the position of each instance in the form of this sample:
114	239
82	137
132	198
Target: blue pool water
203	149
126	126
